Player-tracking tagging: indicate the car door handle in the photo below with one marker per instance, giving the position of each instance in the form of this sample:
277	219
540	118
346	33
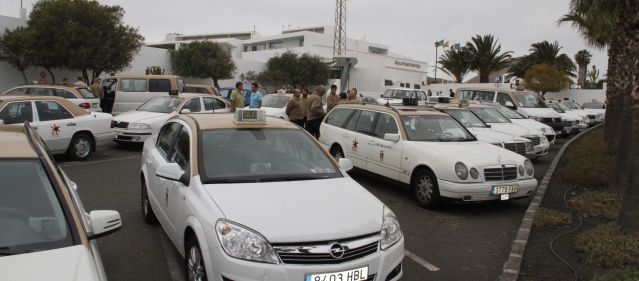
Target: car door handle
71	124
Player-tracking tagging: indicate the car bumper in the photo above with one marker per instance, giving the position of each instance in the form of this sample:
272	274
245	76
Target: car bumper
541	149
131	136
381	264
483	191
104	138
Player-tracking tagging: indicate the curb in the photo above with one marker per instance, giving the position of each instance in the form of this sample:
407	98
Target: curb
516	256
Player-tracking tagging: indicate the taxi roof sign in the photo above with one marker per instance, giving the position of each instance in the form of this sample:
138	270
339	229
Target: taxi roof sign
249	116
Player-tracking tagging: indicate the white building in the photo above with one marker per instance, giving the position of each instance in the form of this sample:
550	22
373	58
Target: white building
373	68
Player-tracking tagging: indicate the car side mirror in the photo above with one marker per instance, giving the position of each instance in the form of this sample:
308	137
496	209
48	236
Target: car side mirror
509	104
185	111
104	222
345	164
173	171
391	137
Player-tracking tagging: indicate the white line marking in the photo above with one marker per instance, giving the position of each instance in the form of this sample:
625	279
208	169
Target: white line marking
170	256
70	164
420	261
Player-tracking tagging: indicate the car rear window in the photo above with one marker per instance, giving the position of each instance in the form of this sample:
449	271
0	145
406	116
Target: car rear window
86	93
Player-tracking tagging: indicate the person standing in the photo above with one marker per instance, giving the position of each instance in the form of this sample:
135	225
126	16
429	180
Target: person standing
44	80
315	112
237	97
352	97
80	83
430	93
256	97
65	82
452	94
305	105
295	109
332	99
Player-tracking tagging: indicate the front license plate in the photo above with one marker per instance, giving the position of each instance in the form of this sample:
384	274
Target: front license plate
505	189
348	275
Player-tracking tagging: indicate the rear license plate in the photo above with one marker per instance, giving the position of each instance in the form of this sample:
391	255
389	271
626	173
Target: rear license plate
348	275
505	189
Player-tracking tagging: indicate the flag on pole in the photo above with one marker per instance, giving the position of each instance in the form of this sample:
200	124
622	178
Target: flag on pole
439	43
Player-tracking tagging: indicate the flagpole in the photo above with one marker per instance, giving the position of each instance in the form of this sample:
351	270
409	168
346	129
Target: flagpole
436	47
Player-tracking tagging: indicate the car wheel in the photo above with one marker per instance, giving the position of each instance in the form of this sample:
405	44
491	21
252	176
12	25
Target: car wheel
81	147
425	189
147	211
194	263
337	152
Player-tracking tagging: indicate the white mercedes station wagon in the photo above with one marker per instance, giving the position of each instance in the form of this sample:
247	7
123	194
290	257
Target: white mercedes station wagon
249	197
427	149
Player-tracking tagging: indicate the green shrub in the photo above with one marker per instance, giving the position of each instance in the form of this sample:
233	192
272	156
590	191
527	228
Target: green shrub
606	245
551	217
587	161
600	204
626	274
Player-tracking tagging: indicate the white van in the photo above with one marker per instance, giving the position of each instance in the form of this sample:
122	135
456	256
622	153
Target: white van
527	103
127	92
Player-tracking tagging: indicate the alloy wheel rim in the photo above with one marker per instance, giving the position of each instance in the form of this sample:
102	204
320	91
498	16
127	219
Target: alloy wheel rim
424	189
82	147
196	270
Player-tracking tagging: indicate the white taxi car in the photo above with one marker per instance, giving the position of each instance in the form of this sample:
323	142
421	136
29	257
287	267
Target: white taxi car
248	197
483	131
396	96
64	127
570	120
499	122
275	105
79	95
137	125
45	233
427	149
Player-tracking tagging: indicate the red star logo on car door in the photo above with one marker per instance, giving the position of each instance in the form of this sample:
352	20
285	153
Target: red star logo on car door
355	143
55	130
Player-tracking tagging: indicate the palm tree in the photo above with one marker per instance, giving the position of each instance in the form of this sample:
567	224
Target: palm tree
583	59
613	24
544	53
454	64
484	56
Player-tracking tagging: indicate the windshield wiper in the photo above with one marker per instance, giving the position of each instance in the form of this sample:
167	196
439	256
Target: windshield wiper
292	178
233	180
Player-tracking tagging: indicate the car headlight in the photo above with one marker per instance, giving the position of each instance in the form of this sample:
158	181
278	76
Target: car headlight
529	146
139	126
461	171
474	173
242	243
391	233
521	170
528	166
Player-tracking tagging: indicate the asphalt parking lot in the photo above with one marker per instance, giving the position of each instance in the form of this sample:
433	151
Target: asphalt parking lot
456	242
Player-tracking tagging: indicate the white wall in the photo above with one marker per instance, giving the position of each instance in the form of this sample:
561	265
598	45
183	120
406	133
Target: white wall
148	56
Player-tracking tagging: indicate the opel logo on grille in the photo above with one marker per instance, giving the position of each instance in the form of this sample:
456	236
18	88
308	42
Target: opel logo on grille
337	250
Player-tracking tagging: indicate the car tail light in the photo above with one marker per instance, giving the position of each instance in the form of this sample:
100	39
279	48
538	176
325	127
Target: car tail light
85	105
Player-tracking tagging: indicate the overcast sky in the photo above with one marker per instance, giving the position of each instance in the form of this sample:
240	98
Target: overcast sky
408	27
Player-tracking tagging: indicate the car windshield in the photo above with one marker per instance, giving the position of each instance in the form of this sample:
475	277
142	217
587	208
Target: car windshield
275	101
161	104
509	113
593	105
31	217
261	155
490	115
396	94
557	108
572	105
435	129
530	100
564	107
86	93
466	117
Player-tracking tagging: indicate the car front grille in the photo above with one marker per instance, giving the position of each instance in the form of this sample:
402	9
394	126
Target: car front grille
551	120
500	174
536	140
320	252
122	125
518	147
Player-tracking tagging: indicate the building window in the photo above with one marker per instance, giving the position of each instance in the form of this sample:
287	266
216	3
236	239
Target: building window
417	86
246	48
407	85
260	47
388	82
401	85
276	45
301	43
253	48
336	73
